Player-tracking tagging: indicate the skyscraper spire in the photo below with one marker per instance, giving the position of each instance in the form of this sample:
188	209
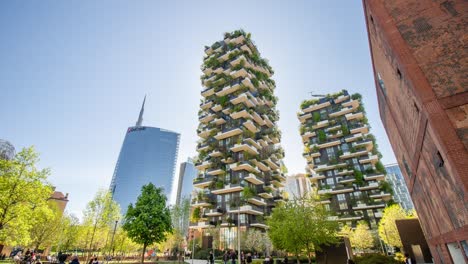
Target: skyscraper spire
140	117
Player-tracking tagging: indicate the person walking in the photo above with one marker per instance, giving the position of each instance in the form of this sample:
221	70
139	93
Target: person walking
211	258
233	257
249	258
242	257
409	260
226	257
285	259
75	260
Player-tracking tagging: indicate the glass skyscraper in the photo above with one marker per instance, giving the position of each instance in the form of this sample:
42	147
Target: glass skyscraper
148	154
400	191
187	173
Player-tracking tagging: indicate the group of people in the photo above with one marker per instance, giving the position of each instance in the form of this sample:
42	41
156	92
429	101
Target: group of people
30	257
231	255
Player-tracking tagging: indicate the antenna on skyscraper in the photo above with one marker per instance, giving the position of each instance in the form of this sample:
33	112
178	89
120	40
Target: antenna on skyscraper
140	117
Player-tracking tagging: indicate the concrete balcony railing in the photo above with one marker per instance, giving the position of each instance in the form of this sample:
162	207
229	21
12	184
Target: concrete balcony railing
215	171
204	165
229	188
207	92
311	155
354	137
252	178
250	126
228	133
372	185
252	142
341	98
380	195
239	73
247	209
368	144
244	147
345	172
348	155
329	144
316	107
265	195
206	104
262	166
362	129
214	212
352	116
308	135
272	164
258	119
229	89
320	124
203	147
241	114
244	165
352	103
304	117
206	118
316	177
341	112
202	182
362	206
347	180
205	224
371	159
257	201
246	98
325	167
216	153
379	176
219	121
217	108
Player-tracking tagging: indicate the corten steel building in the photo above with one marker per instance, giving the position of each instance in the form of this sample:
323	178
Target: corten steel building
148	154
343	161
187	173
419	56
239	156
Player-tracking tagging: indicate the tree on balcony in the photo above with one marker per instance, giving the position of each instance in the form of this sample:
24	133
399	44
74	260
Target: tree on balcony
322	137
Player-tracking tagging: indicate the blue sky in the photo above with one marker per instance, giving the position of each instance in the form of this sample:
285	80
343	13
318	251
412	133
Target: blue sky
73	73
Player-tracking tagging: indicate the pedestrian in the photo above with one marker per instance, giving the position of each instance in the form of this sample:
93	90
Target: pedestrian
226	257
95	260
285	259
75	260
211	258
233	257
409	260
267	260
249	258
242	257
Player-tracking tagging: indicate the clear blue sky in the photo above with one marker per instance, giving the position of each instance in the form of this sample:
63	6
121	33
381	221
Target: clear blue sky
73	73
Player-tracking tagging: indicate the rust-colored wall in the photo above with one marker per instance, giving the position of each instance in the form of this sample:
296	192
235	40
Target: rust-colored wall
418	49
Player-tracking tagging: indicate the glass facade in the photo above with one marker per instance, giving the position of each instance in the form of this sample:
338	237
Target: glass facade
400	191
148	154
187	174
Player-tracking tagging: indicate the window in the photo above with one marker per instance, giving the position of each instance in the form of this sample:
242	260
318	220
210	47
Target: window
330	181
343	205
341	197
345	147
220	199
355	161
329	173
331	152
317	160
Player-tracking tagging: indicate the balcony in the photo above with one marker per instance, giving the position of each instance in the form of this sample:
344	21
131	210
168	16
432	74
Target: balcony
329	144
372	185
239	73
225	56
252	142
368	144
316	107
230	188
206	104
363	129
362	206
277	183
247	209
347	180
229	133
238	60
378	214
374	177
207	92
251	126
381	195
310	156
261	165
206	118
204	165
316	177
265	195
241	114
219	121
217	108
268	121
245	98
345	172
259	225
252	178
354	137
202	182
351	116
352	103
304	117
246	81
207	71
244	165
228	89
272	164
325	167
270	187
205	224
201	204
216	153
214	212
257	201
246	48
320	124
348	154
341	98
203	147
341	112
244	147
240	39
216	171
204	133
350	218
371	159
308	135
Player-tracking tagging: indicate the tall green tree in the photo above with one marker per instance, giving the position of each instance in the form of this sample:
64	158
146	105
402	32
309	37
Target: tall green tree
23	190
301	225
361	237
47	222
100	214
149	220
388	231
256	240
71	233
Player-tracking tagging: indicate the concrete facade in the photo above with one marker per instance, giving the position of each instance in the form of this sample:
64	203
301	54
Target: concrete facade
418	50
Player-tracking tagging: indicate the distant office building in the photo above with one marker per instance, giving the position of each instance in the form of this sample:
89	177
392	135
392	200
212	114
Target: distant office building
148	154
60	199
187	174
400	191
418	51
298	186
7	150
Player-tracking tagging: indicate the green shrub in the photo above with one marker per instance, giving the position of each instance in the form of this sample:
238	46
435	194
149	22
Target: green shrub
375	259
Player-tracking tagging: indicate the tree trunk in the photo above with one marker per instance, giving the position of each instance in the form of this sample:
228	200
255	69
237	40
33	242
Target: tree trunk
143	253
297	258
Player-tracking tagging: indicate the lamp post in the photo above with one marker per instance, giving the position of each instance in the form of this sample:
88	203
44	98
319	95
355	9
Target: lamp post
113	235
